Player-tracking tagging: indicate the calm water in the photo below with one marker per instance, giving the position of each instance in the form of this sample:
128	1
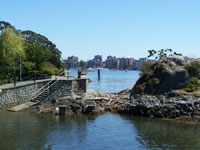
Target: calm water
111	80
32	131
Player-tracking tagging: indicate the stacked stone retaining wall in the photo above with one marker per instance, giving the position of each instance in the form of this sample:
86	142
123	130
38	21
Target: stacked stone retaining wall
18	95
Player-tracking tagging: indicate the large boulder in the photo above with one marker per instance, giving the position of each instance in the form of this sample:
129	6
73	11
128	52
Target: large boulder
164	76
173	80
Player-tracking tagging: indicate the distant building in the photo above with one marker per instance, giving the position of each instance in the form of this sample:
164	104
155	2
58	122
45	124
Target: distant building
96	62
135	64
91	64
72	62
119	63
126	63
112	62
141	60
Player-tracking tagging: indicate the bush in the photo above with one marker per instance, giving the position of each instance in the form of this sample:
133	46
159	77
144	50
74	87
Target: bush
146	68
193	69
50	66
193	85
47	71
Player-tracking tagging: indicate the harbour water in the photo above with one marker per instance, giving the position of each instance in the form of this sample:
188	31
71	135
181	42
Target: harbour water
111	81
32	131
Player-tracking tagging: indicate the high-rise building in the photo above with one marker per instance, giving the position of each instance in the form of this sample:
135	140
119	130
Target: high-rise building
72	62
96	62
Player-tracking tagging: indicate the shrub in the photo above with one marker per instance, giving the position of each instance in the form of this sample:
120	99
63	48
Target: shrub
146	68
47	71
193	85
193	69
50	66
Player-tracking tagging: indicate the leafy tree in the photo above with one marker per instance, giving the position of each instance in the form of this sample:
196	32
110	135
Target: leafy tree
163	53
83	64
37	54
30	36
11	47
4	25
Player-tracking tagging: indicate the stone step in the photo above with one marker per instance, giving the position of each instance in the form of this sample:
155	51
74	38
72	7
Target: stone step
49	91
22	106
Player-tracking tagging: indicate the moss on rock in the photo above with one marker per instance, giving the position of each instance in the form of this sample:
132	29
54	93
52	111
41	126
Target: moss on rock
163	76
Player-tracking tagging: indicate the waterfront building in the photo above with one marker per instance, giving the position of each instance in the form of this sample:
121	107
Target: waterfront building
126	63
119	63
141	60
72	62
112	62
96	62
135	64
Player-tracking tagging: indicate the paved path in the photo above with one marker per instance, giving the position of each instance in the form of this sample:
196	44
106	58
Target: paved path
11	85
29	104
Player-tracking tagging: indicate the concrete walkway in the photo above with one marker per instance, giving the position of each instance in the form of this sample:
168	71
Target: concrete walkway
18	84
22	106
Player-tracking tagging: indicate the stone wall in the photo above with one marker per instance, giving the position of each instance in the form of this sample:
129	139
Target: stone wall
80	86
65	89
17	95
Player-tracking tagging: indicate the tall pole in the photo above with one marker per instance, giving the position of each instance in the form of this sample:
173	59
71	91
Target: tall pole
98	74
14	80
20	68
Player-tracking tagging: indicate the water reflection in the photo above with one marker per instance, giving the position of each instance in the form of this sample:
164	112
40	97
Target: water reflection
68	131
19	132
24	130
160	134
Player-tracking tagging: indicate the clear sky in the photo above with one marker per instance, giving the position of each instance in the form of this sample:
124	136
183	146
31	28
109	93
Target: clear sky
120	28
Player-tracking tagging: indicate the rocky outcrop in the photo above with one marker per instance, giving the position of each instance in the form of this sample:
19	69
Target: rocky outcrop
171	105
93	102
164	76
174	106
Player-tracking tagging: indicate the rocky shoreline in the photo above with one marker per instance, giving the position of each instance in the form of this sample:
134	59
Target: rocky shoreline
168	106
153	95
171	105
92	102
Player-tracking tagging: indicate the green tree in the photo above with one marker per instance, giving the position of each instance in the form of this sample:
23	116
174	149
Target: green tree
11	47
83	64
30	36
37	54
4	25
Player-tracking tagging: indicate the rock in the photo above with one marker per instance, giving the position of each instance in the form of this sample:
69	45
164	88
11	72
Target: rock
169	105
167	75
173	80
89	107
179	60
126	91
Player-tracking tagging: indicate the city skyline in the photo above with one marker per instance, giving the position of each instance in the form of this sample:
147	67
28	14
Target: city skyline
118	28
111	62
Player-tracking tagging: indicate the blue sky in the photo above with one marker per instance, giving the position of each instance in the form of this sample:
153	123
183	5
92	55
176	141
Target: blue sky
110	27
